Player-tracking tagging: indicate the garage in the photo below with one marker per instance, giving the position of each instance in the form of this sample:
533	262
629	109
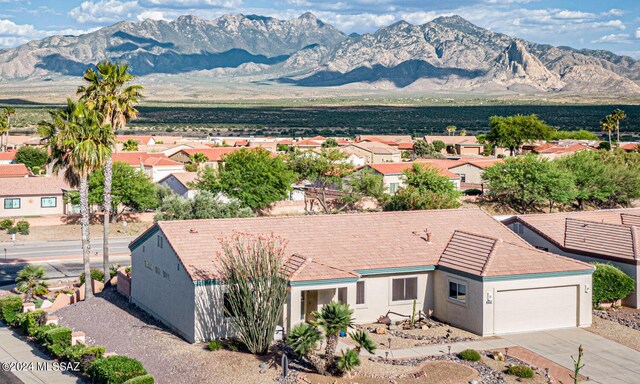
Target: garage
522	310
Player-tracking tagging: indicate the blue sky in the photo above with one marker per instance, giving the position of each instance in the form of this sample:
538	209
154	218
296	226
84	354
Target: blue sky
599	24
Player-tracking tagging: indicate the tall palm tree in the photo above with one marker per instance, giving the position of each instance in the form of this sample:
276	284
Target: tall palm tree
608	124
451	129
333	318
5	126
617	115
31	281
130	146
79	145
108	92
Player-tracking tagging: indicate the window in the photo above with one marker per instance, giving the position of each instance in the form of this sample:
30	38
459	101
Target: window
302	308
360	292
518	228
48	202
405	289
342	295
393	188
160	241
165	275
463	177
147	264
157	270
458	291
12	203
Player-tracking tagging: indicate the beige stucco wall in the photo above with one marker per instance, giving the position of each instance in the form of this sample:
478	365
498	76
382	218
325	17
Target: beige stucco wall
387	157
388	179
170	300
473	174
467	316
465	150
158	173
30	206
210	322
633	300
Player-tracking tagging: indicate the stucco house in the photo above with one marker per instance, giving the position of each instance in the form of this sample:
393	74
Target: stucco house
458	145
32	196
393	174
605	236
179	183
14	170
8	157
375	152
470	170
469	268
214	155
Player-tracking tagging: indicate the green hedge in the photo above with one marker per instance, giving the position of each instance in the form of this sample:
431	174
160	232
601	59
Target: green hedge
96	274
41	330
83	354
215	345
115	370
610	284
57	340
520	371
144	379
470	355
31	321
10	307
22	227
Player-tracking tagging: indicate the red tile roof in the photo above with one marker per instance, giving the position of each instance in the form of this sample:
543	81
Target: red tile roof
563	150
10	155
14	170
154	161
134	158
33	186
629	146
213	154
399	168
140	139
405	146
338	246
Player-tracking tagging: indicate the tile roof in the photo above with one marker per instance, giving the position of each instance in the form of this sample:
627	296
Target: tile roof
213	154
158	161
558	149
140	139
468	252
33	186
405	146
387	138
183	178
14	170
629	146
9	155
338	246
449	164
376	148
134	158
453	140
399	168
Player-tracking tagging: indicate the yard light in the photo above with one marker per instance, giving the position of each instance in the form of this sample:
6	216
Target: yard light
449	349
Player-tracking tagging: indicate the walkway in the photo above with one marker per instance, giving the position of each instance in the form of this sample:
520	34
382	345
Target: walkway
14	349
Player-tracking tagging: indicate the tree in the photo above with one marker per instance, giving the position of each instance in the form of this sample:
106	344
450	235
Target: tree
423	149
438	145
333	318
363	341
608	124
204	205
195	161
451	130
78	145
365	183
108	92
32	157
513	131
330	143
255	177
130	146
610	284
304	339
31	281
463	132
252	270
618	115
425	188
5	127
574	135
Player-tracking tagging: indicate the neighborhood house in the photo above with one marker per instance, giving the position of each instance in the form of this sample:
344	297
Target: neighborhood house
32	196
470	269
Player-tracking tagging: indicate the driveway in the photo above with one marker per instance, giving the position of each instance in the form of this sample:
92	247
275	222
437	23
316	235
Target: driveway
605	361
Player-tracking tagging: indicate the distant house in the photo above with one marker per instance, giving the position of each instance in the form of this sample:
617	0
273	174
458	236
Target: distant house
142	140
605	236
394	179
472	271
374	152
386	139
14	170
458	145
470	170
157	168
214	155
32	196
554	151
179	183
629	147
7	157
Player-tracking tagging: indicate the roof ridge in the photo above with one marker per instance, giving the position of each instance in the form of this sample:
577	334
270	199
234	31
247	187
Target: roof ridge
475	234
594	222
307	260
492	253
339	269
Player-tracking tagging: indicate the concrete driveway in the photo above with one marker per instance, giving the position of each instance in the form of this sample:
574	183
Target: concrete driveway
606	362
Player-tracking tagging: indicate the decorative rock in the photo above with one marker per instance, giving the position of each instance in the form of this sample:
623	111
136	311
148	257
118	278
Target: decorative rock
28	307
498	356
381	331
474	381
424	327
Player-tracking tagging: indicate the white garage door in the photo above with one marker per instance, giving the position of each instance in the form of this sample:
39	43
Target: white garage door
537	309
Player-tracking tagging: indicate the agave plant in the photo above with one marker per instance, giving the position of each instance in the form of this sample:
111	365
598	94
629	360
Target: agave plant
31	281
348	361
363	341
304	339
333	318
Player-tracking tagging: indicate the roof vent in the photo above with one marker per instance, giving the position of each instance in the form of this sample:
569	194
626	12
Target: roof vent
193	230
427	235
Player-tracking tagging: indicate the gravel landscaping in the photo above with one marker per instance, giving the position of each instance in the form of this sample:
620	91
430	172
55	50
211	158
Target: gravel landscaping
629	317
400	338
615	331
110	320
72	231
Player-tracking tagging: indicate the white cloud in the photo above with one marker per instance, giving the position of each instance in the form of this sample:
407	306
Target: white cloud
8	27
638	33
104	11
566	14
621	38
190	3
614	12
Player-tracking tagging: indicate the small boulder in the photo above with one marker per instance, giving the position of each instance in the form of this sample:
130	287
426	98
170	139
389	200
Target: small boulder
498	356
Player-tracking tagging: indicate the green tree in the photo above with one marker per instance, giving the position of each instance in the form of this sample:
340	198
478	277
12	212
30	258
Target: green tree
610	284
5	127
451	130
204	205
574	135
130	146
423	149
304	339
513	131
32	157
363	341
255	177
438	145
330	143
618	115
252	269
78	145
366	183
195	161
107	90
425	188
333	318
608	124
31	281
347	361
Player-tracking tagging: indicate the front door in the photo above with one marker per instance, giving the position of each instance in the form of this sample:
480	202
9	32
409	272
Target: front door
311	305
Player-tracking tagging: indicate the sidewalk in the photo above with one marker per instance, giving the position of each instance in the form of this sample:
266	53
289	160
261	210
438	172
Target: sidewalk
14	349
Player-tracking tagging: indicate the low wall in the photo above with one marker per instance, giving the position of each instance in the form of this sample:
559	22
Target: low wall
124	283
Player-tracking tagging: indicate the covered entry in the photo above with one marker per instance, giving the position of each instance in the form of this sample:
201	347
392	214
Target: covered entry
535	309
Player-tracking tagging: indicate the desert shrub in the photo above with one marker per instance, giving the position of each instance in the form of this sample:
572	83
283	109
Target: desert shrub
214	345
115	370
40	331
12	230
6	224
10	307
96	274
83	354
472	192
127	270
610	284
521	371
57	340
470	355
30	321
23	227
144	379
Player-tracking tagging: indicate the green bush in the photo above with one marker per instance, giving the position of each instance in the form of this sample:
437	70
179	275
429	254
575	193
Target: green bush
22	227
472	192
610	284
144	379
6	224
31	321
57	340
10	307
214	345
470	355
115	370
96	274
12	230
83	354
521	371
42	330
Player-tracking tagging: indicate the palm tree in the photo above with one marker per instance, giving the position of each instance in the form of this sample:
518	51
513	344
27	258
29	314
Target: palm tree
107	91
451	129
79	145
5	126
304	339
348	361
31	281
608	124
195	160
617	115
333	318
363	341
130	146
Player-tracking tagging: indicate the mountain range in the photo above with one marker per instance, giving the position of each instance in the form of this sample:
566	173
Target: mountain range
447	53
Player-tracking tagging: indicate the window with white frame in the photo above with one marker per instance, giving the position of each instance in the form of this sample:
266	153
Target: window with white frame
360	292
12	203
404	289
342	295
458	291
393	188
48	202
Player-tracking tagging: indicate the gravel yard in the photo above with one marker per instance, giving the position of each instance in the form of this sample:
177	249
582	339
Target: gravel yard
401	339
617	332
122	328
72	231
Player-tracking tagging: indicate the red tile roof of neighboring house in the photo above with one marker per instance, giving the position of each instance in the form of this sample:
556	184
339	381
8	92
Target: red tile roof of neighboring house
134	158
285	142
140	139
33	186
308	143
322	247
399	168
453	140
629	147
387	138
154	161
14	170
374	139
241	143
557	149
213	154
449	164
405	146
10	155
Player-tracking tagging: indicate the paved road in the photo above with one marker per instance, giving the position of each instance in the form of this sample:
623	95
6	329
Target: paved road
49	249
